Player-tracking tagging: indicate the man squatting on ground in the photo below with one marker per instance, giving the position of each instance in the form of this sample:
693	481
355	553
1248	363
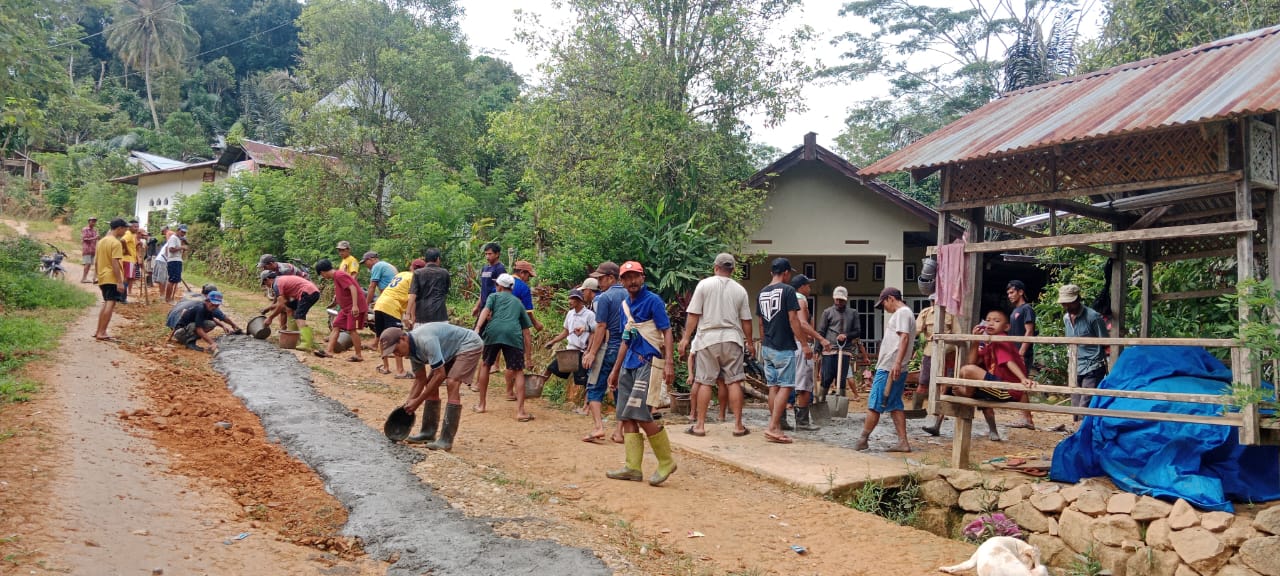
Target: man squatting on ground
891	369
504	325
720	314
193	320
779	325
642	367
437	351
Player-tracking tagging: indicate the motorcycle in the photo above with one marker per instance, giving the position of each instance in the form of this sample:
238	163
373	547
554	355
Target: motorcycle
51	265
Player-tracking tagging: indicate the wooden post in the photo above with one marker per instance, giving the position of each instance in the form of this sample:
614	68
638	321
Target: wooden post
1243	360
1119	283
960	442
1148	251
973	306
938	365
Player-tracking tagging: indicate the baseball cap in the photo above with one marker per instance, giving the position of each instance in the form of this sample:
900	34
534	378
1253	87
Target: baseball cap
215	298
182	228
576	293
1017	285
344	245
725	260
605	269
524	266
631	266
781	265
840	293
800	280
887	292
267	275
416	264
590	284
1068	294
265	260
368	255
506	280
388	340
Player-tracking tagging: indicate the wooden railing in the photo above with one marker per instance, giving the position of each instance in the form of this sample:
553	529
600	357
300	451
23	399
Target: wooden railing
962	408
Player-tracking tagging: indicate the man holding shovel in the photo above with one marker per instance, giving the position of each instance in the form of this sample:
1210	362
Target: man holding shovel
437	351
839	324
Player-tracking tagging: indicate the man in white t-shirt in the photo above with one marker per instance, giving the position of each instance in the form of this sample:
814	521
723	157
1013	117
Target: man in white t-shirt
891	369
720	313
579	322
174	249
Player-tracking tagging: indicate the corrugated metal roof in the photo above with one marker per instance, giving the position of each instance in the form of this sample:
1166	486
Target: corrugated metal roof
133	178
152	162
1234	76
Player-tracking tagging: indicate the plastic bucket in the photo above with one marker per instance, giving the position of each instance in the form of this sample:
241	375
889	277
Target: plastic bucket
258	327
533	385
569	360
288	339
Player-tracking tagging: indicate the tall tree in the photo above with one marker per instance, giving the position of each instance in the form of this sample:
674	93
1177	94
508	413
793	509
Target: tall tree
151	33
1138	29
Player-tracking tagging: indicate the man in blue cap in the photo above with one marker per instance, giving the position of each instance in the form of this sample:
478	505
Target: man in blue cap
193	320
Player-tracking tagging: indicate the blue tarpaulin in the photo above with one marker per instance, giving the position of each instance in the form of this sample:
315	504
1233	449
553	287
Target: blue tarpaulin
1200	463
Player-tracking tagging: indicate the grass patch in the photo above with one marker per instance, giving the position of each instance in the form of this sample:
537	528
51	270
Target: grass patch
901	504
26	336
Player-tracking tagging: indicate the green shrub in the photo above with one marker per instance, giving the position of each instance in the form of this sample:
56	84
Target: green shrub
23	288
900	505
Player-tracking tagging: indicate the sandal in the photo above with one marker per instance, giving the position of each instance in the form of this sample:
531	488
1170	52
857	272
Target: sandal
743	432
478	410
592	438
1023	425
383	370
692	432
405	376
784	439
355	359
320	354
525	418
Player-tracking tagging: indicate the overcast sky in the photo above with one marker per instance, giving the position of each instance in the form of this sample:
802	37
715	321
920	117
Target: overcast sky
490	26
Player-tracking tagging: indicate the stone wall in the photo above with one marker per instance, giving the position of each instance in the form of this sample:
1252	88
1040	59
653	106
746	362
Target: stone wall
1130	535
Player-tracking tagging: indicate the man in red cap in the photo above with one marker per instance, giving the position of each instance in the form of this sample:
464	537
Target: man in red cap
643	366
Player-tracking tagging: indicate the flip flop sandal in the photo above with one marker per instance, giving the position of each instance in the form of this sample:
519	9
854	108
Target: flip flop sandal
511	398
354	359
777	439
526	418
743	432
1022	425
382	370
593	438
690	431
107	339
477	410
405	376
320	354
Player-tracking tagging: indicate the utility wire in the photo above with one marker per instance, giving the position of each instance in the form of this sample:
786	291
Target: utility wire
109	27
192	59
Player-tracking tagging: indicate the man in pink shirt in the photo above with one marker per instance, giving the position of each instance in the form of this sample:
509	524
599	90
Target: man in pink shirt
89	247
292	294
354	309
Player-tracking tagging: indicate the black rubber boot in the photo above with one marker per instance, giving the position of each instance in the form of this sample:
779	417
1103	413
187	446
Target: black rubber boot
452	417
804	421
785	424
430	421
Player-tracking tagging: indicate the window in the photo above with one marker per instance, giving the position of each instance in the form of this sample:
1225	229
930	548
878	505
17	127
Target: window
810	269
916	303
869	320
851	271
877	272
909	272
746	270
813	311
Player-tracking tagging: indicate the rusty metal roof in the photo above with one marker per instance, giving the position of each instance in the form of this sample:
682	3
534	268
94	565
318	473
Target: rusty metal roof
1229	77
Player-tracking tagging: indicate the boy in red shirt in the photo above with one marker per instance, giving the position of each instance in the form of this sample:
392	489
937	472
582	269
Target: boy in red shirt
994	362
354	309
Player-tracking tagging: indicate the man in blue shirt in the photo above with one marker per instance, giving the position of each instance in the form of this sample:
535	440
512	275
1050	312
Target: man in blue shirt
492	269
1082	321
193	320
380	275
602	351
643	367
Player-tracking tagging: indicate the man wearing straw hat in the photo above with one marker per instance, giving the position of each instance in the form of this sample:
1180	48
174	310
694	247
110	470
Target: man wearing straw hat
1082	321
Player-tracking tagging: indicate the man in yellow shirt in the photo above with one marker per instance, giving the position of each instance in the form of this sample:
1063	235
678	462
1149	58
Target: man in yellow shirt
347	263
389	310
107	258
129	243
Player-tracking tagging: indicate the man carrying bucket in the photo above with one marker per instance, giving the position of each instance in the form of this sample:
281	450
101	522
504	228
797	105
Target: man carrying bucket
437	351
579	322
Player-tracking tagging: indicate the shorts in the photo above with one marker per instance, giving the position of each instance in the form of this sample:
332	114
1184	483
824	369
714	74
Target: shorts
633	394
992	394
128	269
110	293
830	365
804	373
87	259
511	356
186	333
876	402
137	271
463	366
349	320
719	360
160	272
1090	380
779	367
174	270
382	321
596	387
303	305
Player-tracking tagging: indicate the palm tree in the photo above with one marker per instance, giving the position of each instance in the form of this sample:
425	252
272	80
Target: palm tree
1035	58
150	33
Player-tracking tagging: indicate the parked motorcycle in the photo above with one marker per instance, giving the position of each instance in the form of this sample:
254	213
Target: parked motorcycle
51	265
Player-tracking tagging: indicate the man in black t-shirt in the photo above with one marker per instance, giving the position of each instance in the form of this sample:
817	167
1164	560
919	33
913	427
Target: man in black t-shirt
1022	322
428	291
779	324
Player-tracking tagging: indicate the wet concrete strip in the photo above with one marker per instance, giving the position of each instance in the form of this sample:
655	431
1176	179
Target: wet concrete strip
390	509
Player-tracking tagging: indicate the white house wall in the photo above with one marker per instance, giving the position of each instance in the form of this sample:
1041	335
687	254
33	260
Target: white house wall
165	188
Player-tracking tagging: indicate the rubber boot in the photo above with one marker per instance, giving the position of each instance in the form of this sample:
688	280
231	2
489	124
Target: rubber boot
804	421
661	445
430	421
935	428
304	338
452	417
917	400
634	442
785	424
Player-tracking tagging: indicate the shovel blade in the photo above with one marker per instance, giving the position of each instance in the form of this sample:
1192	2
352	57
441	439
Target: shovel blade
839	406
820	412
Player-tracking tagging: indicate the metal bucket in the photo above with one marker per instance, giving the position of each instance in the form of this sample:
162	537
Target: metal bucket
289	339
681	403
258	327
533	385
344	342
569	360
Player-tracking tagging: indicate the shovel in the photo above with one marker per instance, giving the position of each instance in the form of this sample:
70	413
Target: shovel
838	407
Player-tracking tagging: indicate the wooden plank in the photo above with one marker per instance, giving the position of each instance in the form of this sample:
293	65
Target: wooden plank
1088	210
960	441
1242	361
1119	289
1150	217
973	268
1227	420
1201	215
1148	248
1096	190
1217	399
1191	294
1215	229
1033	234
936	368
1073	367
1203	342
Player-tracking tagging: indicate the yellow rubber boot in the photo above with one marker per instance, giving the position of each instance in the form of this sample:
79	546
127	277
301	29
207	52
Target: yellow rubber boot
661	445
634	443
304	338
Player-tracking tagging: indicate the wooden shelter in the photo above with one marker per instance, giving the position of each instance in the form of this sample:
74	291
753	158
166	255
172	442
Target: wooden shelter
1176	155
